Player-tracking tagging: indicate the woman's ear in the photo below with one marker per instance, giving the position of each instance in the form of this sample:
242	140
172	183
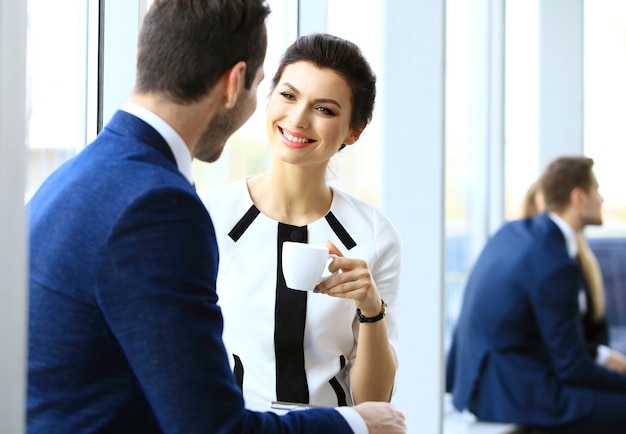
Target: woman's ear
233	81
354	135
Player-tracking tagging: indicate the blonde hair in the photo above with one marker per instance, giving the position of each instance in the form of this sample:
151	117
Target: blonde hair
592	274
532	204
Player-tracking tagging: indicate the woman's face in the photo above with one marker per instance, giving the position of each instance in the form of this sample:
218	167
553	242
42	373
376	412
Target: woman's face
308	114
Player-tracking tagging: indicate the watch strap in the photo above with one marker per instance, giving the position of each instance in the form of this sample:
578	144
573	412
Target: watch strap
381	315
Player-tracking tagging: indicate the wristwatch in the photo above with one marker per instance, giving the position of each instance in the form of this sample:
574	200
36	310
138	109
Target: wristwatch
381	315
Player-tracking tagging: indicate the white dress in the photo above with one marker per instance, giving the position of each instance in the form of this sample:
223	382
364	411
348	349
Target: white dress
289	345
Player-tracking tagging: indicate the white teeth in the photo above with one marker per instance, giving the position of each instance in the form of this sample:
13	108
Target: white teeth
294	139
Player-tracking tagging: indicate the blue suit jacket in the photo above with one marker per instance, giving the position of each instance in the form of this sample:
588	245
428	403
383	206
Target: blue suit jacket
518	350
124	330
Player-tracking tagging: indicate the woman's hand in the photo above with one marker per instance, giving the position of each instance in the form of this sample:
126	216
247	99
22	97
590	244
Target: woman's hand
372	375
616	362
354	281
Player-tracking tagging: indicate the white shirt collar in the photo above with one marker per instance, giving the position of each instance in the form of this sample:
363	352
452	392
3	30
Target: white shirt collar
568	233
174	141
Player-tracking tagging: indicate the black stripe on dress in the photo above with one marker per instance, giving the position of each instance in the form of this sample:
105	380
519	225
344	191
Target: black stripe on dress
289	320
340	231
237	231
341	394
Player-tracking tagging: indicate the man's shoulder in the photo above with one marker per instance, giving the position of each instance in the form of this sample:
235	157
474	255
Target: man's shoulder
528	230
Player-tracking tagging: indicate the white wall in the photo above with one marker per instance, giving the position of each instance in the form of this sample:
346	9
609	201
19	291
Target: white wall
13	294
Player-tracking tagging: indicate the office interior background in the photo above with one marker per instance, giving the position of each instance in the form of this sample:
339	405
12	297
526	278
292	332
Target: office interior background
474	98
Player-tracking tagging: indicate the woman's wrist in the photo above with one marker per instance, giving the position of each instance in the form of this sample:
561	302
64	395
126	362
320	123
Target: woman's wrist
372	317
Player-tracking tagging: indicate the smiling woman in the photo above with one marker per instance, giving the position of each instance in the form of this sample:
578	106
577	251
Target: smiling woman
303	347
302	114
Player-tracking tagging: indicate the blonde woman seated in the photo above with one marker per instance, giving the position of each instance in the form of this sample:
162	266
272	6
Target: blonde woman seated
592	298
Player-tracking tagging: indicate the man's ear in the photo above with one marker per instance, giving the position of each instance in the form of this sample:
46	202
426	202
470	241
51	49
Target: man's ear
577	197
233	80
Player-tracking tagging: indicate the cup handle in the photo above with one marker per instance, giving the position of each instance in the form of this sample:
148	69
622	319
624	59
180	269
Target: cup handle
327	274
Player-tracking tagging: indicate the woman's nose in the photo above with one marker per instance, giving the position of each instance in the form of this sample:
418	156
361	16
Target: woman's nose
298	117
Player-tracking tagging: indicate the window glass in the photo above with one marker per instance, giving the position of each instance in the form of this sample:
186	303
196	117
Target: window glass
62	92
466	164
605	106
458	160
521	102
57	86
356	168
467	121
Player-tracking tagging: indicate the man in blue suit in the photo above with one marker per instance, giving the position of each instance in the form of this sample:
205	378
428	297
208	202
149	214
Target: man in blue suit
518	352
124	329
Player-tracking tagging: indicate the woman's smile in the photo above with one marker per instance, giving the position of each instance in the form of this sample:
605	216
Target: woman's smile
293	139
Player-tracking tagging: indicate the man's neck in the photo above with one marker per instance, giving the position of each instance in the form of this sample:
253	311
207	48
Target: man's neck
572	219
188	120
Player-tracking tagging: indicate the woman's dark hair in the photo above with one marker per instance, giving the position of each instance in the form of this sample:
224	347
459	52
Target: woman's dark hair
563	175
185	46
343	57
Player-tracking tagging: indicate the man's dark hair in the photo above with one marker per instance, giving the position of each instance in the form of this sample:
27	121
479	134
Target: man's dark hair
563	175
185	46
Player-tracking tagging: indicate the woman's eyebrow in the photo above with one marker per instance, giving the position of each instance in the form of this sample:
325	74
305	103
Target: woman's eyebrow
318	100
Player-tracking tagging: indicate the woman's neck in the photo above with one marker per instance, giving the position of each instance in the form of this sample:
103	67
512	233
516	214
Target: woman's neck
292	195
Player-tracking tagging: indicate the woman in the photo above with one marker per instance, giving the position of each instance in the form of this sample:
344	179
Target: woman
592	299
336	346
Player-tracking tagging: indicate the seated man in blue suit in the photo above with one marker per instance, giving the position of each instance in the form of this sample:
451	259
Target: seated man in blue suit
124	327
518	352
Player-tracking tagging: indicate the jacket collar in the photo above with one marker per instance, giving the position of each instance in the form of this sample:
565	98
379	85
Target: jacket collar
172	138
125	124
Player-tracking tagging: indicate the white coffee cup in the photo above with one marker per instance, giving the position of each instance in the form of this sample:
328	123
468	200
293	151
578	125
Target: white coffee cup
305	265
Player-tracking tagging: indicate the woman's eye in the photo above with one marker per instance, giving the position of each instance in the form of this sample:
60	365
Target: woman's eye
287	95
325	111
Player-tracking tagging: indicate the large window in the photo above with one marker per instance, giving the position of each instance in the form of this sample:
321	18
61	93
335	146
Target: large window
474	142
60	83
521	109
356	169
605	105
63	79
460	158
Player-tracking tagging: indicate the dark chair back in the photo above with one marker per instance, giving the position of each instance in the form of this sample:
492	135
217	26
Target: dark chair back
611	254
